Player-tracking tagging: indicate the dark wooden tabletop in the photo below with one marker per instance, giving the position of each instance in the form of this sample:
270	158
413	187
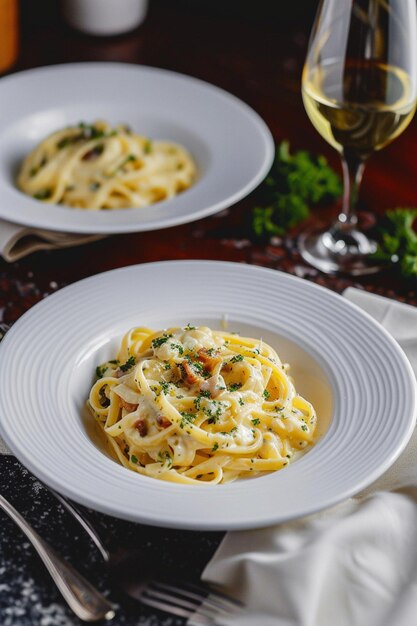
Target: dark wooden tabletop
257	54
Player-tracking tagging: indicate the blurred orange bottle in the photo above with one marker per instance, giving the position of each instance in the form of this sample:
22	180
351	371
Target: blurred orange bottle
8	33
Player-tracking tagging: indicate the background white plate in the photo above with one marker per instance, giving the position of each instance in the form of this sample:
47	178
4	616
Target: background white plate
231	144
351	369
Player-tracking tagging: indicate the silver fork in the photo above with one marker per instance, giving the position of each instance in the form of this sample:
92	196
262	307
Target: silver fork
201	603
84	599
184	599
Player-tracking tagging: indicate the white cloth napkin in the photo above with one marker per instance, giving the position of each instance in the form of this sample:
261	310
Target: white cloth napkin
352	565
17	241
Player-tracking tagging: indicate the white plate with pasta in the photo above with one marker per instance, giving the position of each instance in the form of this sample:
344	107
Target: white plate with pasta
113	148
214	396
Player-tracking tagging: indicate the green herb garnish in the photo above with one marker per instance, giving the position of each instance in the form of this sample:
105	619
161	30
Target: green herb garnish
43	195
147	147
295	181
100	370
186	419
158	341
165	386
234	386
236	358
398	243
129	364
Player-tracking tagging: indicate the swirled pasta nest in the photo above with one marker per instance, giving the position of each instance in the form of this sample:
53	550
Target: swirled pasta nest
197	406
102	167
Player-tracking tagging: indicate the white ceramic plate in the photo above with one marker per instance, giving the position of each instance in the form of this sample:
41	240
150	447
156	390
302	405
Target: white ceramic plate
231	144
344	362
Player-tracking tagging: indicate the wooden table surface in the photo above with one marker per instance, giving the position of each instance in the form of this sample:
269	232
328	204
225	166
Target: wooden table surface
259	59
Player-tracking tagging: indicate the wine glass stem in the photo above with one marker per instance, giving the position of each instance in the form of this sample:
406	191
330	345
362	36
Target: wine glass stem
352	167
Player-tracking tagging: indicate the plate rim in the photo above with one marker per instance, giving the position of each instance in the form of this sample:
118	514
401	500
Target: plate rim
265	137
213	525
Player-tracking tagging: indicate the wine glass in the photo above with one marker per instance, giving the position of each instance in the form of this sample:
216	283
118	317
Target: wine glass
359	89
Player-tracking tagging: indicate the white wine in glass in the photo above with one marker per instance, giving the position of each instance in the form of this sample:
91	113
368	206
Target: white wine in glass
359	89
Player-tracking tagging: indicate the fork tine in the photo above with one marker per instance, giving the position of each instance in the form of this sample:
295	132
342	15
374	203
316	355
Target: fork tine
153	592
163	606
172	608
214	592
188	600
201	595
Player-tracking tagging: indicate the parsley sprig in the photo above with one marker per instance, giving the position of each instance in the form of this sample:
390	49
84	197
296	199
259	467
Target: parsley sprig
294	183
398	244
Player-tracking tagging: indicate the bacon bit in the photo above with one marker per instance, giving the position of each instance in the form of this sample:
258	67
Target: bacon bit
190	376
209	361
162	421
128	405
141	426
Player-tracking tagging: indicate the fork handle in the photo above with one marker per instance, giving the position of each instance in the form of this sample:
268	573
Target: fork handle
84	599
84	522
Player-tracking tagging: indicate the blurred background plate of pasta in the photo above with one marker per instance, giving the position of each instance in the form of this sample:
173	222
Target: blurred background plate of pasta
222	145
363	392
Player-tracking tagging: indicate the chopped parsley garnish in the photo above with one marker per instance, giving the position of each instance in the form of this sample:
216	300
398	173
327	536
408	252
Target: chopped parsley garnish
241	401
256	421
43	195
215	447
158	341
165	457
167	366
214	411
178	347
236	358
133	459
234	386
65	142
129	364
304	427
266	394
36	169
187	419
147	147
203	394
100	370
189	327
165	386
104	401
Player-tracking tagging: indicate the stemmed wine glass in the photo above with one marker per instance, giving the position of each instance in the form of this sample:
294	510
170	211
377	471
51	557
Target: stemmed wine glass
359	89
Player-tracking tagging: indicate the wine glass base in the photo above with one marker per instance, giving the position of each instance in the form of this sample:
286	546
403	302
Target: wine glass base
338	252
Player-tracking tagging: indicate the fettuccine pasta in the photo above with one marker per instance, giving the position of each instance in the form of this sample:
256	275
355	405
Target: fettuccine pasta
200	406
100	167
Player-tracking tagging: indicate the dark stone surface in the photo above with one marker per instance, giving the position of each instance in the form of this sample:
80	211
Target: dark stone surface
28	596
